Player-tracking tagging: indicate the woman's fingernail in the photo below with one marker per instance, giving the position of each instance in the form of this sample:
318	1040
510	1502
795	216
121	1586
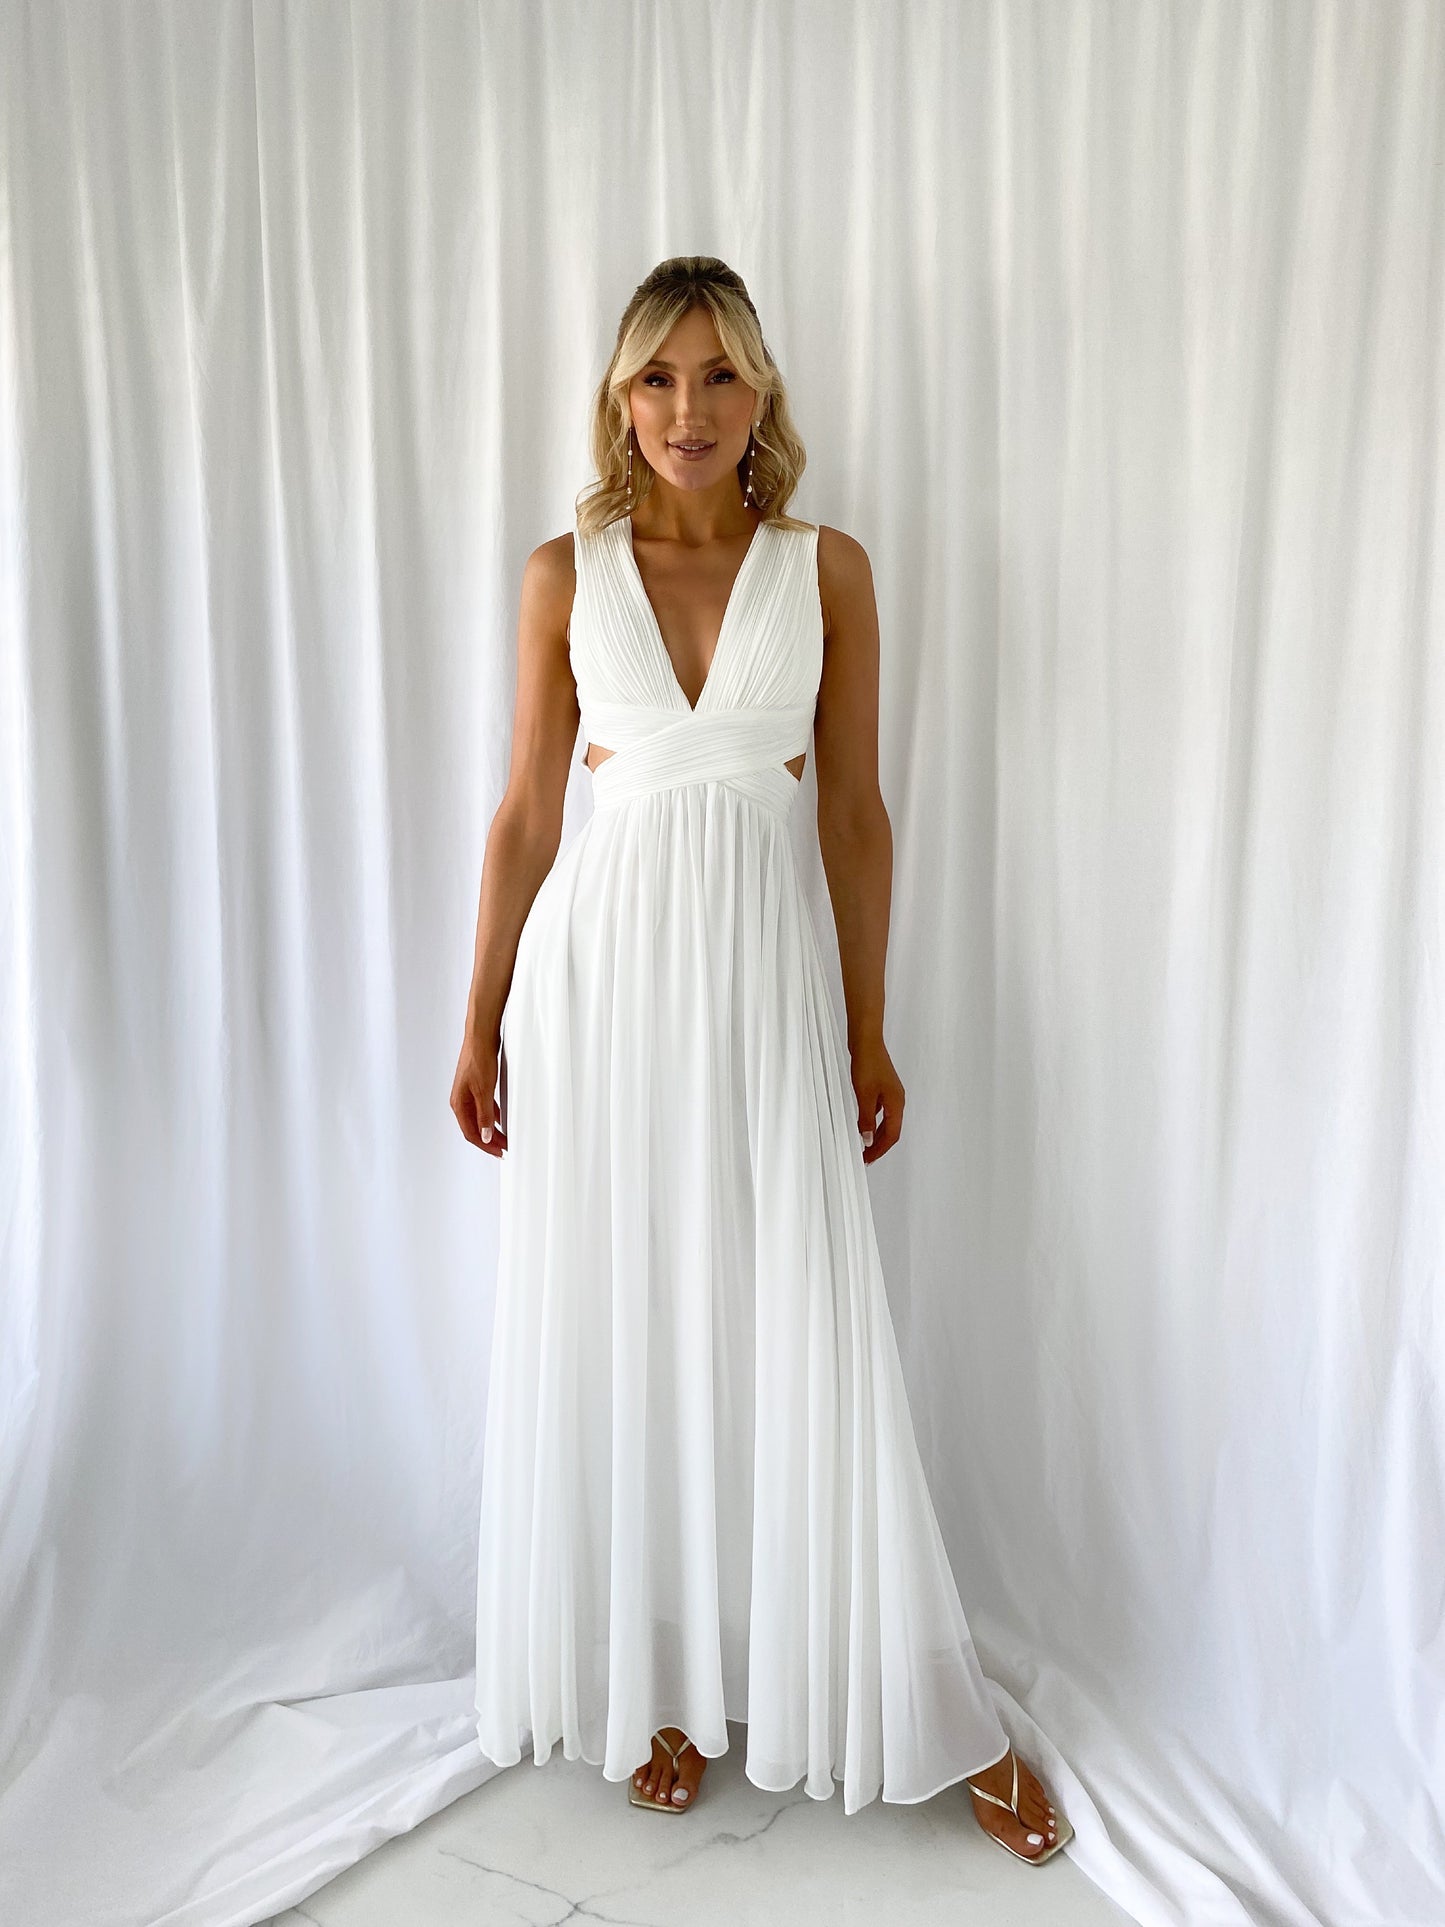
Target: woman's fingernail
486	1134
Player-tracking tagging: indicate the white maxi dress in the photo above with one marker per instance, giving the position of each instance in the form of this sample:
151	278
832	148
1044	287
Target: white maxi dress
702	1497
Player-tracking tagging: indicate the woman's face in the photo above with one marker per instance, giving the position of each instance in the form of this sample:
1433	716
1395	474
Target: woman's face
692	393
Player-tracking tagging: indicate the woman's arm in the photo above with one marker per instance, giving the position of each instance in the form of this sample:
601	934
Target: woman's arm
854	835
525	831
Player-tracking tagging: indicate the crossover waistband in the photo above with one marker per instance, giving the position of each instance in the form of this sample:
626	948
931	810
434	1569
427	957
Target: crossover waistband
660	750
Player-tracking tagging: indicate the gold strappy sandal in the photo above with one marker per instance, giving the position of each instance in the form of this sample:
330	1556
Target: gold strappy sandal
638	1798
1064	1835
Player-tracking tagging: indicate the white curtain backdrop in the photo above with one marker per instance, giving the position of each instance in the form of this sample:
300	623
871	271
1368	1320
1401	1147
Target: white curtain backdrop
1117	334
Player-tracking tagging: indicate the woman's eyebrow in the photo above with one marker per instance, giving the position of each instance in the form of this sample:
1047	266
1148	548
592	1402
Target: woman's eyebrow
658	362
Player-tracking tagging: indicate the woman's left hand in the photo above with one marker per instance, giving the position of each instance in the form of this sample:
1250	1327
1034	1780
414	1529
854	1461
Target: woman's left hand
878	1088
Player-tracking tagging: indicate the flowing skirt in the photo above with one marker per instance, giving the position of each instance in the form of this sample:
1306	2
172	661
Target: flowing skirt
702	1497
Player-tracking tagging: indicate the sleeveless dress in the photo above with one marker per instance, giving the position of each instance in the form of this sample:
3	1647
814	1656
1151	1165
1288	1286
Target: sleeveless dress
702	1497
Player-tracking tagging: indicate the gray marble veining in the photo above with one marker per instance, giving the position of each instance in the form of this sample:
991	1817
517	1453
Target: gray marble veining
540	1845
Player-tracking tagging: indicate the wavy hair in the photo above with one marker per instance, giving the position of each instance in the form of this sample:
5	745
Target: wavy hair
673	288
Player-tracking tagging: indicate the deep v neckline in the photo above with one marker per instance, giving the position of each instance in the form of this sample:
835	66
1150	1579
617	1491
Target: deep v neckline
655	627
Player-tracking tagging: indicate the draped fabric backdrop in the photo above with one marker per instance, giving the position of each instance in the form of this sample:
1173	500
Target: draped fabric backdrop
1115	333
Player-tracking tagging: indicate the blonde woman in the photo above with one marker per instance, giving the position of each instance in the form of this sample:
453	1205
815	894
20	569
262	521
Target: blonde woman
702	1498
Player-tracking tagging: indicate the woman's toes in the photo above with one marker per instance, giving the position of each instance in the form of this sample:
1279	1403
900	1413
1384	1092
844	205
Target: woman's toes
689	1773
1037	1824
1034	1803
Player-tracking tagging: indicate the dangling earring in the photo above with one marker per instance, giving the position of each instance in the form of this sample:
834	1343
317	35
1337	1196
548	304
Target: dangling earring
748	495
629	466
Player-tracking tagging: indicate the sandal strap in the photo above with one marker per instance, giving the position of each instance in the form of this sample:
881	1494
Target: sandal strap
1009	1806
676	1753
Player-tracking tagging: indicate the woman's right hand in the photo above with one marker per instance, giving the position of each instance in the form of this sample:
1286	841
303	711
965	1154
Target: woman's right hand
479	1094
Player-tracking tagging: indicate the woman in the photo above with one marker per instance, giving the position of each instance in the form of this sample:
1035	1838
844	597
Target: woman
702	1497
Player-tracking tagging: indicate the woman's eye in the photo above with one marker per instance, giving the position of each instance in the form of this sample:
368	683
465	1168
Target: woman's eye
649	380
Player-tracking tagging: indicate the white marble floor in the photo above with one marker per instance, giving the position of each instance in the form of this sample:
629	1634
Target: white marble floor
538	1845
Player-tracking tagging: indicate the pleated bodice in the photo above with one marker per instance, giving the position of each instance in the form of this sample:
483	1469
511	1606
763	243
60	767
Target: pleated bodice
756	707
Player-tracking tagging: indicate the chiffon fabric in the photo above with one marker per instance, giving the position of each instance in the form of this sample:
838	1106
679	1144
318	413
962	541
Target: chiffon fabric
702	1498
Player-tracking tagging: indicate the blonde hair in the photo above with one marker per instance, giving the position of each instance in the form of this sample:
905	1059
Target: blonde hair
673	288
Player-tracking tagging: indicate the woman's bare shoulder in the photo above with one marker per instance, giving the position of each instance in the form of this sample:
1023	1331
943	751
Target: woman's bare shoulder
840	547
549	580
844	571
553	562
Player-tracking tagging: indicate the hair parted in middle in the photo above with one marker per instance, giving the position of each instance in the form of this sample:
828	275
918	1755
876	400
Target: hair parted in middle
673	288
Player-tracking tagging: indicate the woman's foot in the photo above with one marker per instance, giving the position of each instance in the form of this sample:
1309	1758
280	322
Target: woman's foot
660	1780
1038	1829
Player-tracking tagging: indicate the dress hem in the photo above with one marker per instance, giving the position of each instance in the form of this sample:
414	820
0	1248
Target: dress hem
763	1786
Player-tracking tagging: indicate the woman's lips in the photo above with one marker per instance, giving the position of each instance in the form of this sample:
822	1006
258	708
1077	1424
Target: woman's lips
691	452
